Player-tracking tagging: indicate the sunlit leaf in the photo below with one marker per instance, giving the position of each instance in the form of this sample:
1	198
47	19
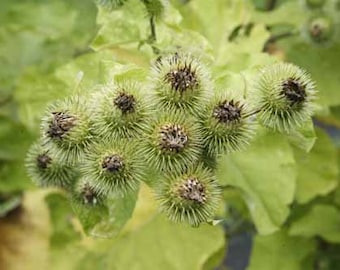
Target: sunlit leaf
266	174
315	176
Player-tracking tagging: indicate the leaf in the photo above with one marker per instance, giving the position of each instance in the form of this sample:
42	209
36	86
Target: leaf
316	177
106	220
88	71
198	15
293	9
321	220
125	26
214	260
279	251
266	174
61	215
145	209
164	245
303	137
245	51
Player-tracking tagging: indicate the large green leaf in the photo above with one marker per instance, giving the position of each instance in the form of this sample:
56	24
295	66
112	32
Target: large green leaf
164	245
198	15
321	220
317	170
122	27
87	71
266	174
279	251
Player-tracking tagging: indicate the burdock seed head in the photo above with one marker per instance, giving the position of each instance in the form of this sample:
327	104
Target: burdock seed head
47	170
190	197
284	96
180	82
225	126
120	111
66	129
114	167
320	29
173	142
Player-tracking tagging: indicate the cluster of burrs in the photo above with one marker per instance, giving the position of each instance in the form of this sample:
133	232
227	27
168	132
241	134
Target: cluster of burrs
174	125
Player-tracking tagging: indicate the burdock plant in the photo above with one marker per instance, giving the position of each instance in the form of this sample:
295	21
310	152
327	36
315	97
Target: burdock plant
179	134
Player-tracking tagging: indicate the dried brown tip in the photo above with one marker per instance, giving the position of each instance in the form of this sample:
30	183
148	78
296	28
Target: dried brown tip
182	79
43	160
112	163
294	91
193	190
227	111
126	103
61	124
173	138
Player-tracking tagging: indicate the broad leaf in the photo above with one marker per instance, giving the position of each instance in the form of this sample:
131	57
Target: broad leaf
164	245
303	137
266	174
321	220
316	177
280	251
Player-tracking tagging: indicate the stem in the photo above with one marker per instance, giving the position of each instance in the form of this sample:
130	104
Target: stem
252	113
277	37
270	5
153	36
281	36
153	29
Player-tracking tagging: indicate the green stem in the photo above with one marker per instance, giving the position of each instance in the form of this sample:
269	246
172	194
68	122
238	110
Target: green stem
153	36
153	29
270	5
